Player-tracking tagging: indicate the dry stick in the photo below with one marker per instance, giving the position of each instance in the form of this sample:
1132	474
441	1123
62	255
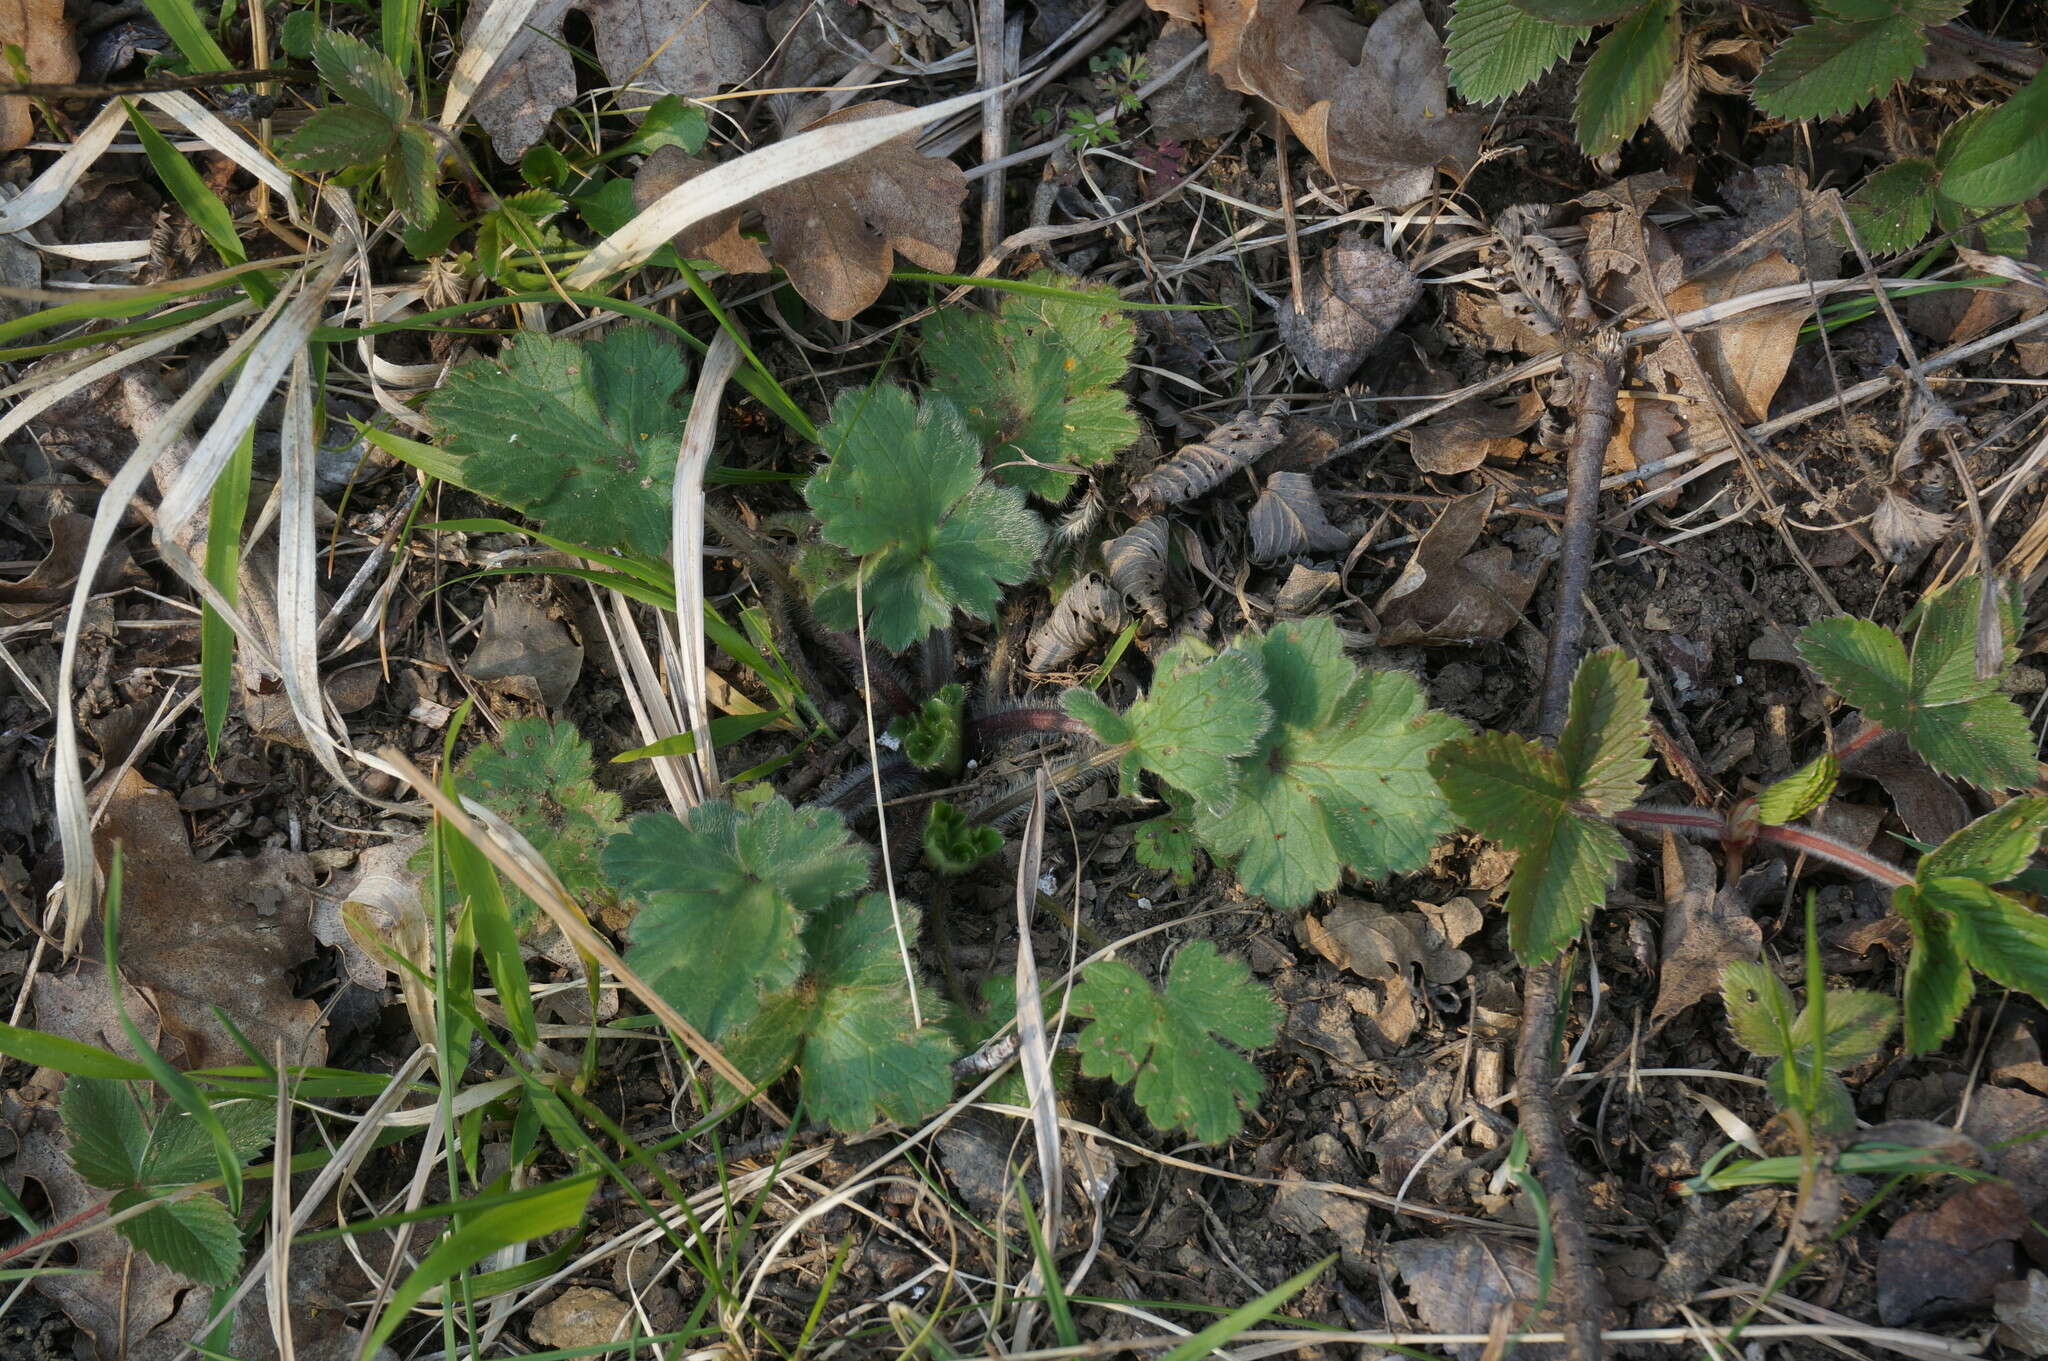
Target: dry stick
1584	1295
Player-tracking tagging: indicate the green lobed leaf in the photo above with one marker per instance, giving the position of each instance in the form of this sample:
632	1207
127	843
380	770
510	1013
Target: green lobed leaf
1605	745
360	74
1495	50
1628	70
904	494
1992	849
2001	937
1858	1023
1832	67
849	1027
1036	380
339	138
1938	984
195	1237
1339	780
1799	793
722	898
952	844
1760	1008
107	1133
579	434
1166	844
1171	1044
1895	207
1577	11
537	776
931	733
2000	159
1203	712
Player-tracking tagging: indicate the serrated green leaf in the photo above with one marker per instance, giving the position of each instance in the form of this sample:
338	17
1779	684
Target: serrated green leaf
181	1152
538	777
1170	1044
848	1025
1858	1023
904	494
411	174
1202	714
1944	626
1628	71
1938	984
580	434
723	896
1863	663
360	74
1036	380
1992	849
1166	844
931	733
1833	1109
2002	158
1495	50
1340	778
2003	939
1799	793
195	1237
1895	207
106	1130
1833	67
1605	745
1760	1008
336	139
952	844
1577	11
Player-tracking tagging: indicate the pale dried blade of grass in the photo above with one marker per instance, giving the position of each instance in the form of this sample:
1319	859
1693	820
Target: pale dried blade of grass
867	708
652	712
47	191
747	177
503	24
33	405
686	544
1034	1055
201	122
277	1286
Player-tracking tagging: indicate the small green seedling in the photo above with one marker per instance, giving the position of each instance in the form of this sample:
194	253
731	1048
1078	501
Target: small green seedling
1837	1030
952	845
371	132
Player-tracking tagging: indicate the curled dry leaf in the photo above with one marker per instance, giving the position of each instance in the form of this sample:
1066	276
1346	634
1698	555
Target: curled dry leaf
648	47
1449	594
42	33
1195	468
1351	301
1460	1282
1547	279
1375	943
717	238
2021	1308
524	650
1288	518
1137	562
836	233
1084	612
1304	589
1644	430
1904	529
51	581
1473	431
1710	1237
1704	928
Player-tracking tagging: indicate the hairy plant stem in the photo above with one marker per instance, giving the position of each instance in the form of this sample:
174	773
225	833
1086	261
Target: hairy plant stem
1003	723
1582	1293
1702	824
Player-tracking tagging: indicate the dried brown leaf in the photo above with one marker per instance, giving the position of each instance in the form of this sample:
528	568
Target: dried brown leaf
1473	431
1195	468
1375	943
1949	1260
40	30
717	238
1546	276
51	581
1085	611
1288	518
1903	529
837	232
1137	562
1447	594
1351	301
1746	359
1461	1282
1305	588
2021	1308
1704	929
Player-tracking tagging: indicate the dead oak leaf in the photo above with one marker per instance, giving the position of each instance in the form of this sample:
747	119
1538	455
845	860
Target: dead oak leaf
1473	431
717	238
1746	358
40	30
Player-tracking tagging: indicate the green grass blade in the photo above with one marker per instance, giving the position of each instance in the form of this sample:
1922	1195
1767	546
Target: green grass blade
200	203
1056	1305
147	326
545	1210
181	21
725	728
476	881
38	1050
224	516
1246	1316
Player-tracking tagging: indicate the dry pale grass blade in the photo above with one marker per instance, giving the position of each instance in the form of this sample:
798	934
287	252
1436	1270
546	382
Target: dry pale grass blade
200	121
505	23
747	177
47	191
277	1287
569	919
50	394
1034	1054
74	820
867	705
686	545
652	712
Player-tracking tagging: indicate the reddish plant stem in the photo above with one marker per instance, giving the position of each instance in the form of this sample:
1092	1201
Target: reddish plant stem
1821	846
1700	821
994	727
29	1244
1865	735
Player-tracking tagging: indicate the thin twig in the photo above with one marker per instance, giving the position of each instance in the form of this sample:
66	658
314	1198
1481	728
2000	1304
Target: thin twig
1602	371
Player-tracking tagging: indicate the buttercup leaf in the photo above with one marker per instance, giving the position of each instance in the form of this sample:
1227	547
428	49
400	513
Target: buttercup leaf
1166	844
1036	381
1171	1044
931	734
1202	714
904	494
538	776
580	434
952	844
1340	779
